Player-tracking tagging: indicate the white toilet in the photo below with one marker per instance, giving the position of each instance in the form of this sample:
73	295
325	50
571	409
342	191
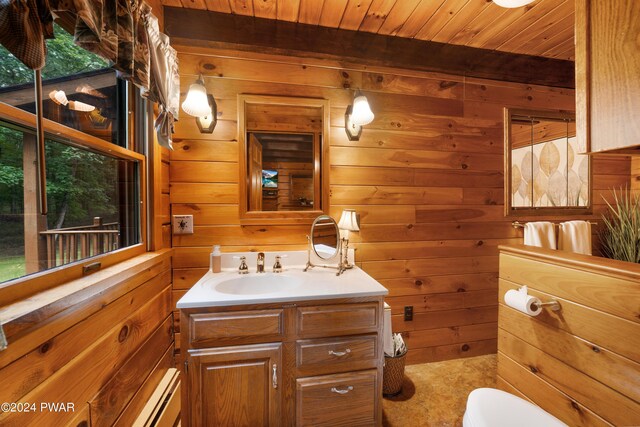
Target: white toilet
488	407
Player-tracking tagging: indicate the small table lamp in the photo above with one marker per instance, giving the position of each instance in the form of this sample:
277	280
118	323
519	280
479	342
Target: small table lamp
348	222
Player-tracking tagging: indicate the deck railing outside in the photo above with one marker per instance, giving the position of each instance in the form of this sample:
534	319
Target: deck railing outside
65	245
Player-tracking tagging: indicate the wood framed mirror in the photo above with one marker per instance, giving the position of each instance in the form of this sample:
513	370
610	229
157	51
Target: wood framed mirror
284	159
545	173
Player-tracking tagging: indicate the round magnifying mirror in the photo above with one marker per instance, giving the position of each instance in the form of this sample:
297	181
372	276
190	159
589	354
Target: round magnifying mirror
325	237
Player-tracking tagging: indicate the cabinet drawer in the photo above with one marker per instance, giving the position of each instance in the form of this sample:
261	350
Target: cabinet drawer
336	400
236	326
348	353
344	319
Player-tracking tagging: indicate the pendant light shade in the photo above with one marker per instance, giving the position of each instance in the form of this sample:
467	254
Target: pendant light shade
196	104
362	114
510	4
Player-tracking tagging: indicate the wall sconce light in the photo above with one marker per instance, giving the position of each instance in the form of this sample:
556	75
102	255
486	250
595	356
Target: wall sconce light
206	124
81	106
59	97
362	114
348	222
353	131
196	103
356	116
510	4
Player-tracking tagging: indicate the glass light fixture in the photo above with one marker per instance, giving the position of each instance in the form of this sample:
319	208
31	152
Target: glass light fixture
511	4
348	222
361	114
59	97
196	104
81	106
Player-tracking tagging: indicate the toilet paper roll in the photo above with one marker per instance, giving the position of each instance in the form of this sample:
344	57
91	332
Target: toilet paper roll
522	301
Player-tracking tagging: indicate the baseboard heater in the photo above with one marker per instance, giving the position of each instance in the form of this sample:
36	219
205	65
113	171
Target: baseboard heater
163	407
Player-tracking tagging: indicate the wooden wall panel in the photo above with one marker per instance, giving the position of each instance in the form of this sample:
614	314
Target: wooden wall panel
91	351
426	178
581	363
635	173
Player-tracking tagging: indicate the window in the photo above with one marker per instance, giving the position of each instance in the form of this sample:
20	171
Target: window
93	203
80	89
93	187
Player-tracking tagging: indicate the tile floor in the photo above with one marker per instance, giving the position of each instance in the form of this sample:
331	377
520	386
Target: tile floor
435	394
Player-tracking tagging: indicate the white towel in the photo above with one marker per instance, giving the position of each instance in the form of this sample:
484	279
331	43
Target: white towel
386	330
542	234
575	236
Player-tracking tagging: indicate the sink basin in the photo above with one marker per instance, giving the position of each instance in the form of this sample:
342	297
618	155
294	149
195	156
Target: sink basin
265	283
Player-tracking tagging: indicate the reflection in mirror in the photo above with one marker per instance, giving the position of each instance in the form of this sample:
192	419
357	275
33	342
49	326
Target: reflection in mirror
283	144
544	172
325	237
282	164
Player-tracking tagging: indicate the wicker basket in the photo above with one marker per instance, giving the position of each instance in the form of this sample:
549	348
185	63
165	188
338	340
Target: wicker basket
393	374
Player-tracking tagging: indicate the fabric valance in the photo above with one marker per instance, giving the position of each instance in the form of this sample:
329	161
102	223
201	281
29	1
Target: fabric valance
124	32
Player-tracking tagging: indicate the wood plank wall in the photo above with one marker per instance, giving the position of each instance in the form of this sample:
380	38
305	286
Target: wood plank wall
635	173
582	363
105	354
426	179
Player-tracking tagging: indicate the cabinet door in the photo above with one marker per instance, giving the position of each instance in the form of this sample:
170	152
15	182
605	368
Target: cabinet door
235	386
607	82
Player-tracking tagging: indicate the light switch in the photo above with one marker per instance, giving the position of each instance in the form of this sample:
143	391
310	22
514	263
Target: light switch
183	224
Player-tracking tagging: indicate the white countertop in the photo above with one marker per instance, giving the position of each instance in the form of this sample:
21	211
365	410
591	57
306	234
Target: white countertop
314	284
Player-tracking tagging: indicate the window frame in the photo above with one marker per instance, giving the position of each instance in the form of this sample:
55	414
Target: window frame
25	286
543	211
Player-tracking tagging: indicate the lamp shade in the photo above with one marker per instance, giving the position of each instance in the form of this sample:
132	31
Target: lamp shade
59	97
512	3
348	220
361	114
196	104
80	106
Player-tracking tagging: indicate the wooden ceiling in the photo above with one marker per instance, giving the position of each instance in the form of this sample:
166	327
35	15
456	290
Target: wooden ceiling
543	28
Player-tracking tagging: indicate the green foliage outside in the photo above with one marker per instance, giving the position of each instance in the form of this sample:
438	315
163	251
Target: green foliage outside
80	184
64	58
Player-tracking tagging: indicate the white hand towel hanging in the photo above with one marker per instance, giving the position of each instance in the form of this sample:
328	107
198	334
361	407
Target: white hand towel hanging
541	234
575	236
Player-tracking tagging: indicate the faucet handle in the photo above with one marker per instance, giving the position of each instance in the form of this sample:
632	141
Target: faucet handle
277	266
243	268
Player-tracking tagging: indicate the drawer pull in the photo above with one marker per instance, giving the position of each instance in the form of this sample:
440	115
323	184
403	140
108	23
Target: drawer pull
341	391
274	379
340	353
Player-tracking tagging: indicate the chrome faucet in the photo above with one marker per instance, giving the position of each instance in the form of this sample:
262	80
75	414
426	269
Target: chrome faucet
260	263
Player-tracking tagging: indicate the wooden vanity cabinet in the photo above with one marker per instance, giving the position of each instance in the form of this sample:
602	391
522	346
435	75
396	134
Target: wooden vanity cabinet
290	364
607	79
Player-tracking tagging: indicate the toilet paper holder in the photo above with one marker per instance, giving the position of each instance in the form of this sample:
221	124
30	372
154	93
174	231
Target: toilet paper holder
553	305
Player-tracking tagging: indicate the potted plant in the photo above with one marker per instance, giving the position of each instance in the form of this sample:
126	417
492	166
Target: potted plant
620	237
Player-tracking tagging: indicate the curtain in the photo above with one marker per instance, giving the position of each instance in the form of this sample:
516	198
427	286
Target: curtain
24	26
164	87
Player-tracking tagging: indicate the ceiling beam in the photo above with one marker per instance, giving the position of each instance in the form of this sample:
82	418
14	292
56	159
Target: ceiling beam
281	37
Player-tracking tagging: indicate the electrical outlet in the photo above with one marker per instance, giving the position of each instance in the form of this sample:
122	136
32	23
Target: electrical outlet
183	224
408	313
